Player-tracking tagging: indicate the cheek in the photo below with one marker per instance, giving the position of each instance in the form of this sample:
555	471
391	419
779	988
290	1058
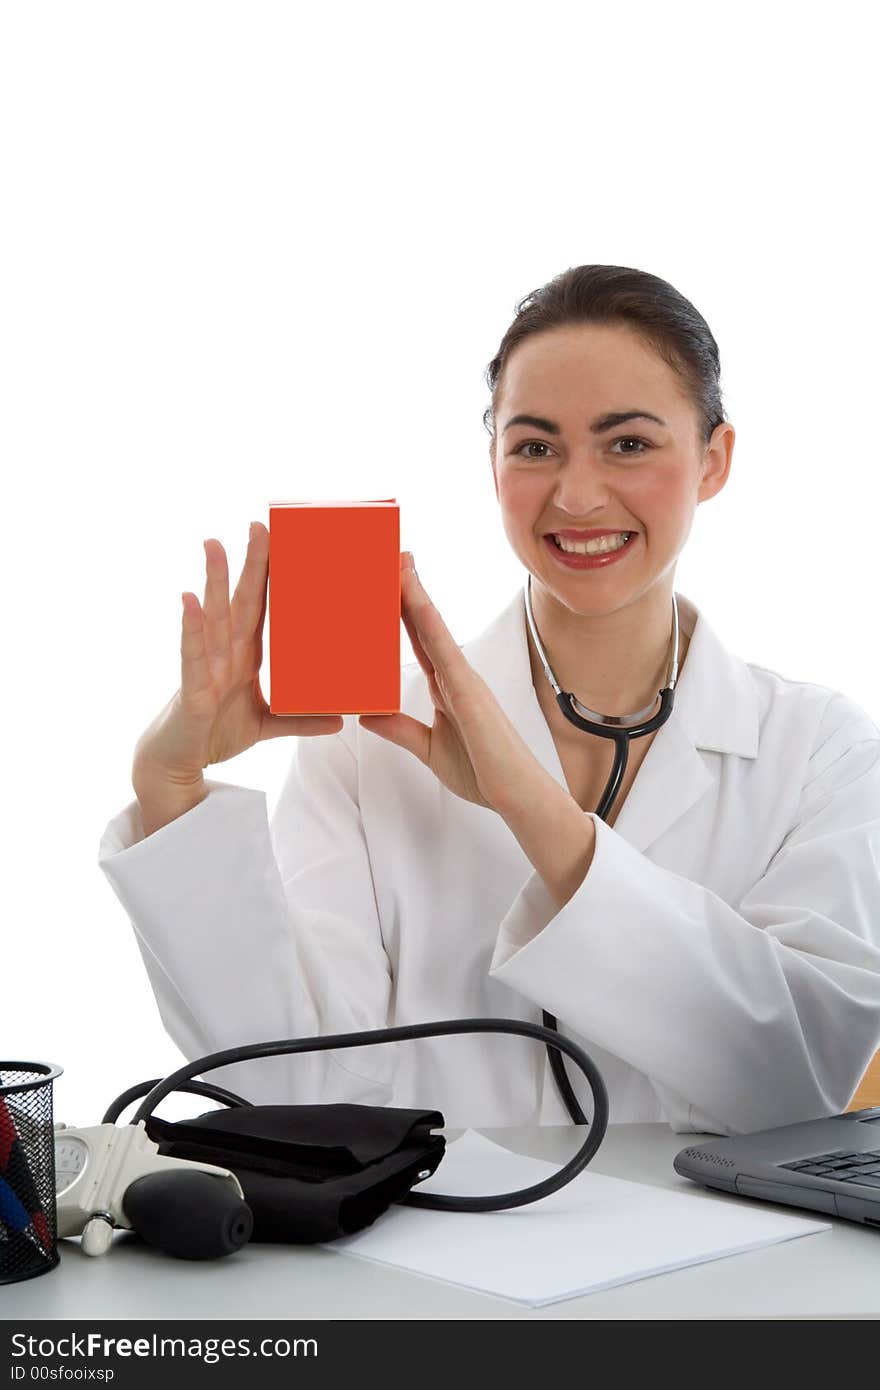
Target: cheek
659	501
523	492
521	498
520	502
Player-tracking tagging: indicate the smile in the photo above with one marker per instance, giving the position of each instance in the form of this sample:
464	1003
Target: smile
595	554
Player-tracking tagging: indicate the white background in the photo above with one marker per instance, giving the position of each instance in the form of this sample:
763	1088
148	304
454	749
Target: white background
263	251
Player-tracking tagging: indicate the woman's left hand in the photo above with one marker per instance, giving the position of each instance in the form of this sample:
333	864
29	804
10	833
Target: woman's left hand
472	747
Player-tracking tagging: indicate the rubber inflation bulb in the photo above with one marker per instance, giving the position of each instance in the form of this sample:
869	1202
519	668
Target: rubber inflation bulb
195	1216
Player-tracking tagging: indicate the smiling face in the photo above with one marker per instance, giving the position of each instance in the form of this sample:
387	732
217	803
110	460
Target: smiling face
580	470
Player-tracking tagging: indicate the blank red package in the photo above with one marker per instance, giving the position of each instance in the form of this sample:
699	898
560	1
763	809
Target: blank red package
334	607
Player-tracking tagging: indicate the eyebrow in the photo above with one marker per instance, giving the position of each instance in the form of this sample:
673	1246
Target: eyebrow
599	426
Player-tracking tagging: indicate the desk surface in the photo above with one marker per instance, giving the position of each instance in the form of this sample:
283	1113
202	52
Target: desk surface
832	1274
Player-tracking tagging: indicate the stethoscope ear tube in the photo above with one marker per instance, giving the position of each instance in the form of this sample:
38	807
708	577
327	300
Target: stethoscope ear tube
438	1201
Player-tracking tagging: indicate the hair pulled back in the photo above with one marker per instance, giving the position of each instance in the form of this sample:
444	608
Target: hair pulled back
616	294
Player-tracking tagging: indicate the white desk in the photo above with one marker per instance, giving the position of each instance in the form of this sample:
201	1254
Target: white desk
832	1274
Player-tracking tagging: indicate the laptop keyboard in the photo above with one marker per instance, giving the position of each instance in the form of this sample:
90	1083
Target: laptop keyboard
843	1165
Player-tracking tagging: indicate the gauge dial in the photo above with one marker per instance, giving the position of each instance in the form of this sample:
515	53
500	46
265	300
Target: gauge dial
71	1161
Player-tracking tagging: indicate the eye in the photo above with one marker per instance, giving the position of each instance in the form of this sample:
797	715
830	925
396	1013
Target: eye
533	444
631	439
642	445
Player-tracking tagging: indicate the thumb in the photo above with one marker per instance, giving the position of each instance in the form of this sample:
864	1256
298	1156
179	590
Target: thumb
403	730
299	725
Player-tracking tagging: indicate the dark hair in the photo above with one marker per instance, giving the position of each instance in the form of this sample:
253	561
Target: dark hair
651	307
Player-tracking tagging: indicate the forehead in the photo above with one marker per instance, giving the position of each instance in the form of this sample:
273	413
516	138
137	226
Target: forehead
586	367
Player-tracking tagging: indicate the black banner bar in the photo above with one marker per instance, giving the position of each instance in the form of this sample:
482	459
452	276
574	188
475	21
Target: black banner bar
128	1355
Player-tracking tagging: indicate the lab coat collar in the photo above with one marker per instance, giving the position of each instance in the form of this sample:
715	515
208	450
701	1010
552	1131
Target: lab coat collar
715	708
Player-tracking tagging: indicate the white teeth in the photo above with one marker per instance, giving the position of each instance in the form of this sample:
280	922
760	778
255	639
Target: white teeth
594	547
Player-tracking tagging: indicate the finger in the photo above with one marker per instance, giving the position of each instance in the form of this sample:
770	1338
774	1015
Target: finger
437	642
426	665
249	600
407	563
194	673
401	729
419	652
300	725
216	606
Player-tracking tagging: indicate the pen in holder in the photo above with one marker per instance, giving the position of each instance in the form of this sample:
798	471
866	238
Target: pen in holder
28	1226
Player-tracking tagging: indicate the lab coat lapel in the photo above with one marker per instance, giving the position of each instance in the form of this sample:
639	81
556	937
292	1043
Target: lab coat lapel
715	709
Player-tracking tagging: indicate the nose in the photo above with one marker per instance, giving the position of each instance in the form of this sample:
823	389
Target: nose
582	487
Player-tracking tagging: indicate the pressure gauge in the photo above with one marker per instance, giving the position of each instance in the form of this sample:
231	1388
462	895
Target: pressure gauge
94	1167
71	1160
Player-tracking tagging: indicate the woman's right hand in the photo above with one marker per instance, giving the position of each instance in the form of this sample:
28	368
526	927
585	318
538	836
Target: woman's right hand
219	710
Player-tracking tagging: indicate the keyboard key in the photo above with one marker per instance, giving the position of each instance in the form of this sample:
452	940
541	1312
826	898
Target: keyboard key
863	1179
840	1162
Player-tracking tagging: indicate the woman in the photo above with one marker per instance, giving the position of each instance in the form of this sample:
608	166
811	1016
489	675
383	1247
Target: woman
713	944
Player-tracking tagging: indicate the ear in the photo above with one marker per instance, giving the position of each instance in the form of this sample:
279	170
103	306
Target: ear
494	470
716	461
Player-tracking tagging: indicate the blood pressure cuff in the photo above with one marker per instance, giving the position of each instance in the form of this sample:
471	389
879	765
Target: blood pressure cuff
310	1172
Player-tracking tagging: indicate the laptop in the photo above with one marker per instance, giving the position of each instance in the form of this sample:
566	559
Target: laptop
830	1165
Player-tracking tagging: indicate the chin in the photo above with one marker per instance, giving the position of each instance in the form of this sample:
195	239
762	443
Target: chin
586	600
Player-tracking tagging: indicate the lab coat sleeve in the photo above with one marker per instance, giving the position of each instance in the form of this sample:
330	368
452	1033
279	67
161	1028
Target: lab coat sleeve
745	1015
250	932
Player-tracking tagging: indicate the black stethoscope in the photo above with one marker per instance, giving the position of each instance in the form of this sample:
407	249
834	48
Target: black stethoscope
621	728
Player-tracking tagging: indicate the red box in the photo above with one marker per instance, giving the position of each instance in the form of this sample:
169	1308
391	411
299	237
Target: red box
334	607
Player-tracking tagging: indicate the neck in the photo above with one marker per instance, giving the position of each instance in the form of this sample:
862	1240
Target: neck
614	663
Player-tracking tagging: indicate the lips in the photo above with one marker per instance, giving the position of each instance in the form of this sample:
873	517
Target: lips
568	535
575	561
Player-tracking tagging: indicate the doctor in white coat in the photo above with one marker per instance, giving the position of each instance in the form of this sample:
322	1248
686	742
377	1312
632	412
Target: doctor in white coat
714	945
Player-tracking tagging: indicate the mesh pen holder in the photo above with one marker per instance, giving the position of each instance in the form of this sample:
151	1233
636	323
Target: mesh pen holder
28	1224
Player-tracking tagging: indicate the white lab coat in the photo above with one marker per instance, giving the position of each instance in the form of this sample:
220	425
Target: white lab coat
720	961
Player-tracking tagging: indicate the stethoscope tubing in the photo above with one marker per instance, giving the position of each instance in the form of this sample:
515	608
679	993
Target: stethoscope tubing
621	728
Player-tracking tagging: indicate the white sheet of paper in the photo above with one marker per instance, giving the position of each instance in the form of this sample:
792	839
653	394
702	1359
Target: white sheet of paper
593	1234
